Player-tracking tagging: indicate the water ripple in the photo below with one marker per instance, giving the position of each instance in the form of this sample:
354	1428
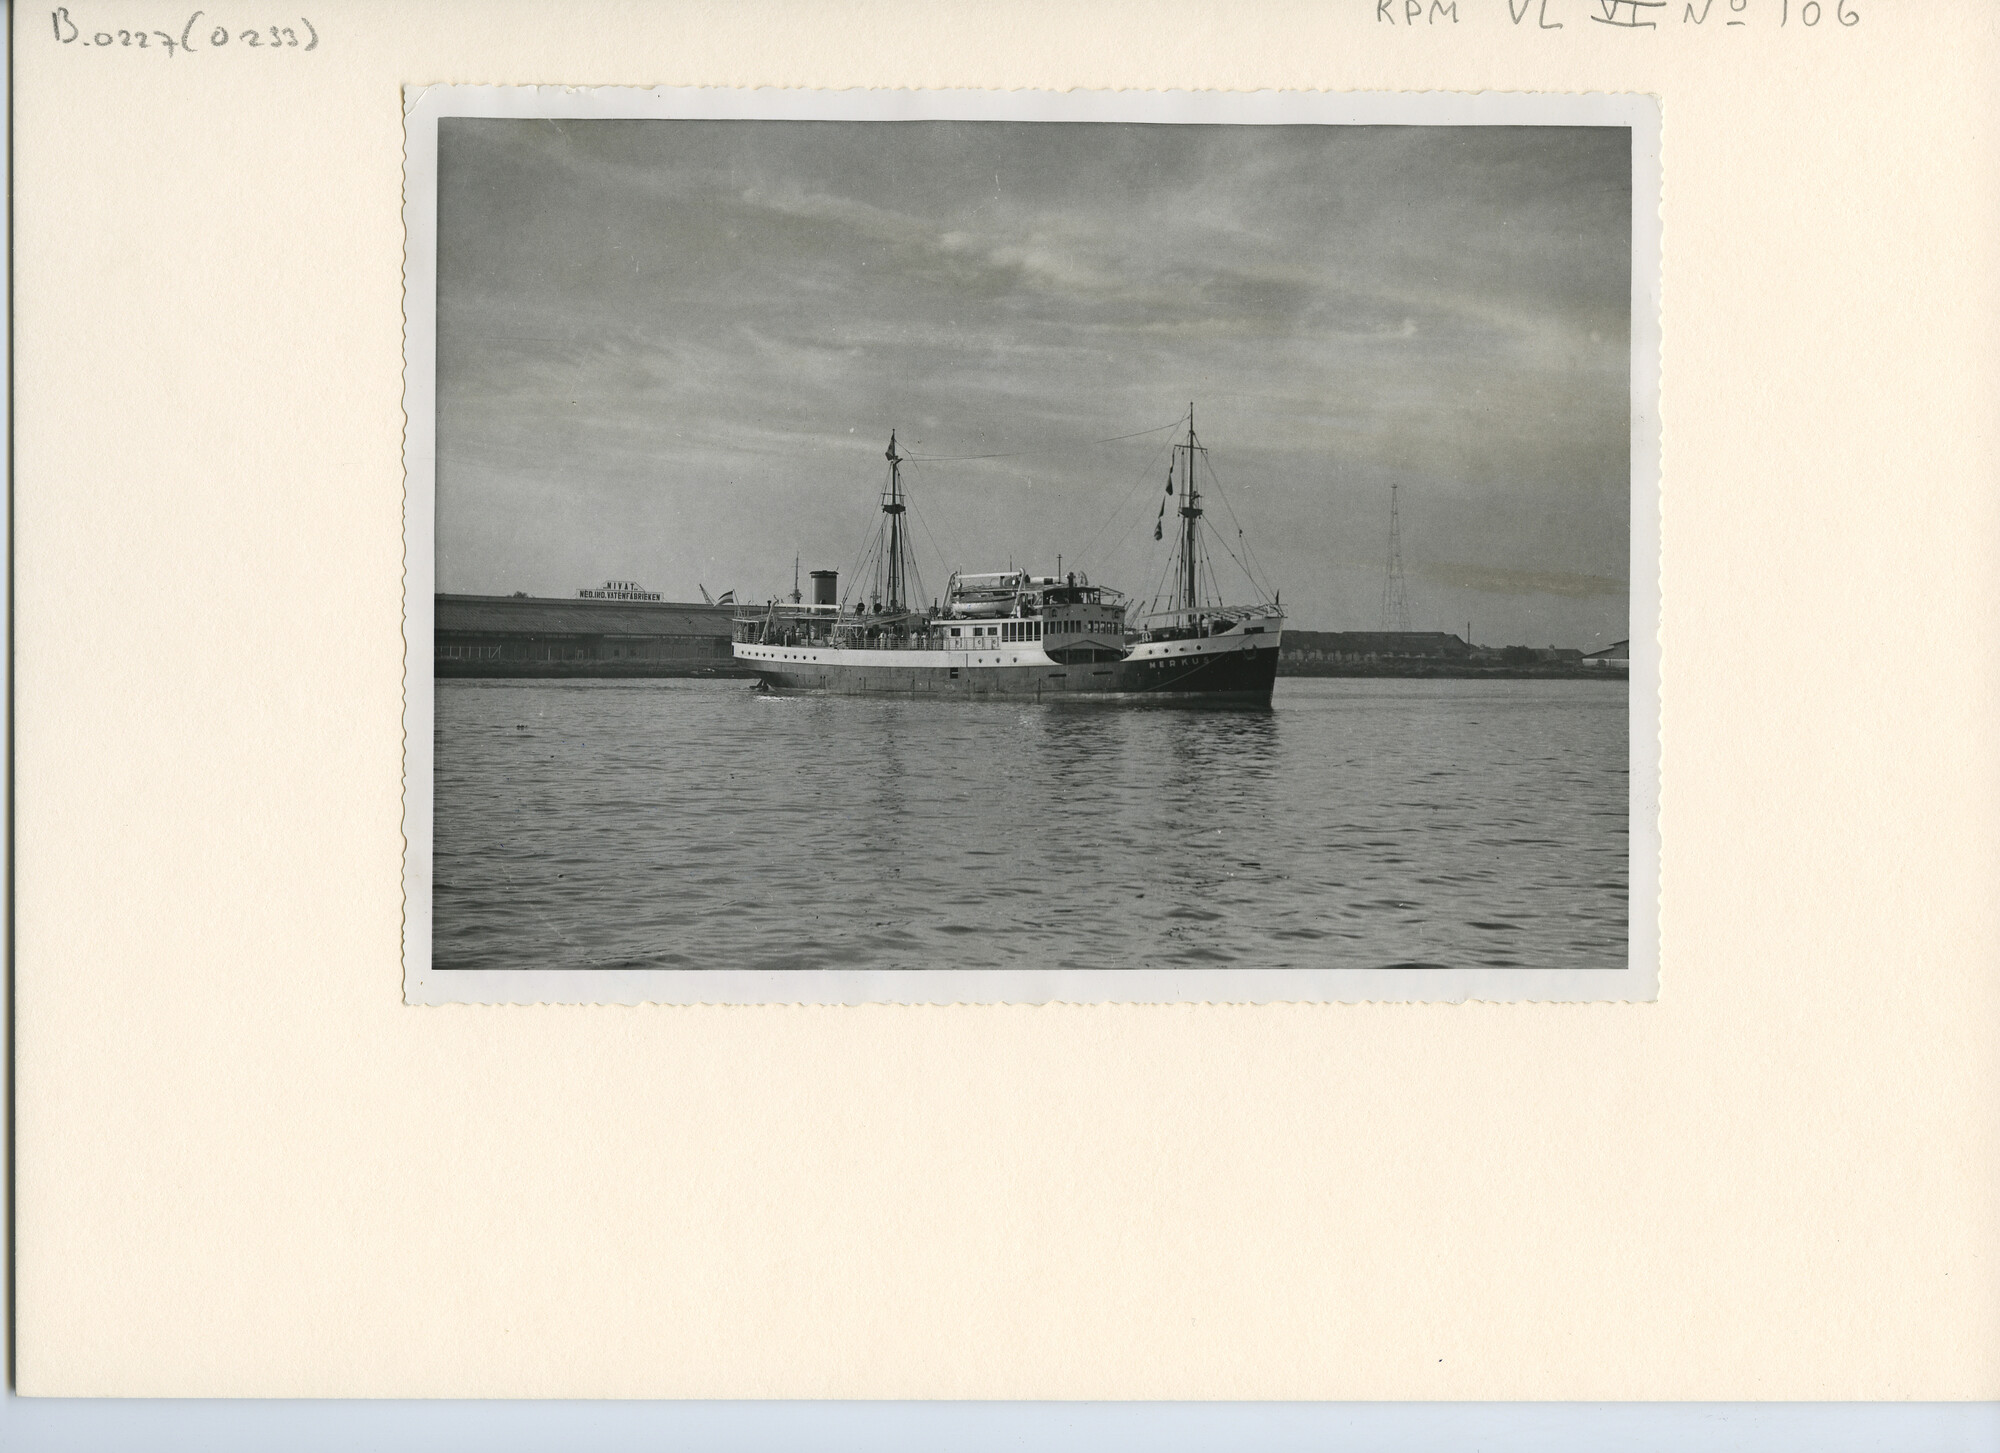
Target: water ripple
1357	824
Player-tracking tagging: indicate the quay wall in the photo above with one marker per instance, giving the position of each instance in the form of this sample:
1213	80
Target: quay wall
540	636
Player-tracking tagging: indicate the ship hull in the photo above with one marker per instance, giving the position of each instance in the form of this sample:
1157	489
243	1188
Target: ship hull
1217	672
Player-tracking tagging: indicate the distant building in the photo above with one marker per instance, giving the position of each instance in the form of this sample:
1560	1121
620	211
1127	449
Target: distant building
1356	647
618	590
1429	653
1618	653
513	635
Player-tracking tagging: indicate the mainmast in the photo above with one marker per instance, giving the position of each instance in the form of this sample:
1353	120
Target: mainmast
1190	561
892	506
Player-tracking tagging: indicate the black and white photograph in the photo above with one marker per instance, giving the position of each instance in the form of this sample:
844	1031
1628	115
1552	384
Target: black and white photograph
1116	548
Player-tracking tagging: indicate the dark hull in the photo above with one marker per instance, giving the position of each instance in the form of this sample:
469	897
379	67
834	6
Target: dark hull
1229	678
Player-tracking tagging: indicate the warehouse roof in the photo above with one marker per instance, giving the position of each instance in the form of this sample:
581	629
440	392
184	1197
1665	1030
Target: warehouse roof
543	616
1378	643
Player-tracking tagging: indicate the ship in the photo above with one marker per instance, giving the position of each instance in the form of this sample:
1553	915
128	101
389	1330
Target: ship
1016	635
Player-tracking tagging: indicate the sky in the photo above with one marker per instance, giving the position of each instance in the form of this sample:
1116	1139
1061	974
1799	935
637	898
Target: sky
673	352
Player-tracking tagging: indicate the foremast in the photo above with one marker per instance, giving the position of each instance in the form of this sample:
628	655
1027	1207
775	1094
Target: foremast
1188	587
887	593
1188	569
896	550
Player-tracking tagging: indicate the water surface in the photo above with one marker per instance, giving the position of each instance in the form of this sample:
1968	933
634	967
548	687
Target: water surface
1357	824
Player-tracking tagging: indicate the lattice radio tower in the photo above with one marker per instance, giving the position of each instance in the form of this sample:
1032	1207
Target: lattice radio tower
1395	594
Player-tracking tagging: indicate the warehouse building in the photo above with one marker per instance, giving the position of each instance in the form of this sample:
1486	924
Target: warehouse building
1363	647
522	635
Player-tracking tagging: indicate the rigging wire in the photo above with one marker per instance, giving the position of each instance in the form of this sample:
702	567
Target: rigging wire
869	539
911	500
1138	524
871	553
1152	463
1153	605
1220	540
924	520
1241	564
1031	453
850	581
1223	495
1256	566
914	604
